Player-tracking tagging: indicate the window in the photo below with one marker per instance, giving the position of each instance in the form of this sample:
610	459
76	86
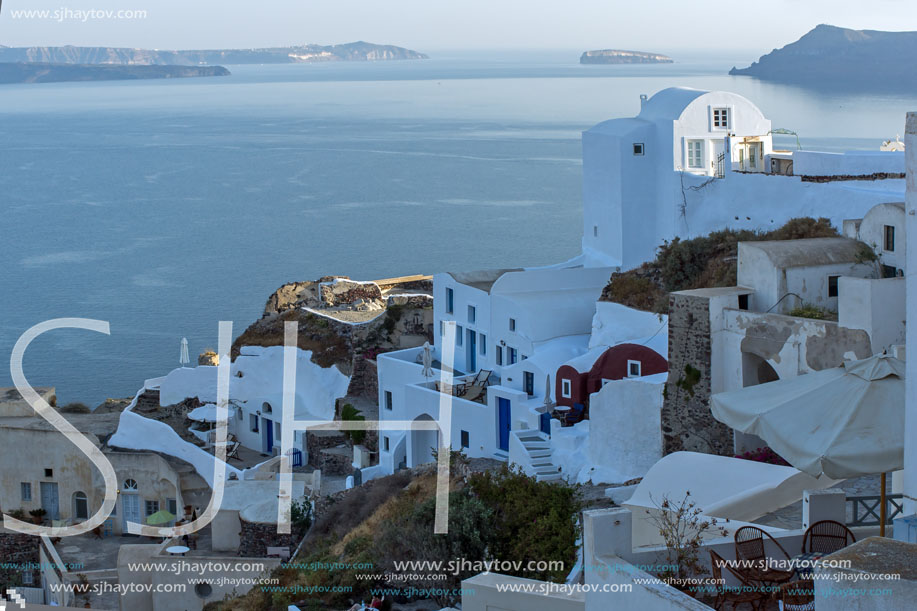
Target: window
389	402
172	506
49	472
80	506
253	422
277	431
151	507
466	441
513	356
633	369
385	444
28	578
459	332
638	148
499	355
753	157
720	118
266	408
442	328
889	238
528	382
25	491
482	341
832	286
450	301
743	302
130	485
472	312
695	154
566	389
512	324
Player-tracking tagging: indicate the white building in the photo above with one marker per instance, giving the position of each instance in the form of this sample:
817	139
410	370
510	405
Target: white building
519	325
883	230
695	161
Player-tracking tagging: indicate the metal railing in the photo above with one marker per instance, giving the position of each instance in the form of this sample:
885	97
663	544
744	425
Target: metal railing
865	509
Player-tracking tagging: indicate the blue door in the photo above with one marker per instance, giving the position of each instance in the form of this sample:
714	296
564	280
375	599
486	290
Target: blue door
472	351
545	421
503	416
268	427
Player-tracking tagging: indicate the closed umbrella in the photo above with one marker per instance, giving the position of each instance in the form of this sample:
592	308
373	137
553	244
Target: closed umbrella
427	360
184	359
547	392
160	517
844	422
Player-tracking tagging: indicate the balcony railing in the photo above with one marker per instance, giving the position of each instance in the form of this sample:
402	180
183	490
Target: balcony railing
865	509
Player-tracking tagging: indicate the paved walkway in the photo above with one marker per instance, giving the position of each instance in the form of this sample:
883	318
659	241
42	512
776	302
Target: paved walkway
790	517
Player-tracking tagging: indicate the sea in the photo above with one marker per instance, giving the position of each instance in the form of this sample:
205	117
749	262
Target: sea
166	206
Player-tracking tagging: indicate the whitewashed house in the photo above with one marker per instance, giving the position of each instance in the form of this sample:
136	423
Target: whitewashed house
519	326
695	161
883	230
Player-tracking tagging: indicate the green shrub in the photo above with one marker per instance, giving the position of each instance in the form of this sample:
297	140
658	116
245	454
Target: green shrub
351	414
533	521
810	310
301	515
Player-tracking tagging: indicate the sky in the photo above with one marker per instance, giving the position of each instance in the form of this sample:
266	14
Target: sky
430	25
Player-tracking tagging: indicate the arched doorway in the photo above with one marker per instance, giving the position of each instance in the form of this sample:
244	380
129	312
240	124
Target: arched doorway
423	443
756	370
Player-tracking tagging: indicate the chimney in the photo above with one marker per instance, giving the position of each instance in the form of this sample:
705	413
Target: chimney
642	100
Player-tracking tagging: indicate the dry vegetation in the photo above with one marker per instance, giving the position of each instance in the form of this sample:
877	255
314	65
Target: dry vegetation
704	262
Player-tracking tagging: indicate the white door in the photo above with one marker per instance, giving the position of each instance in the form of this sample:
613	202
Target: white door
130	510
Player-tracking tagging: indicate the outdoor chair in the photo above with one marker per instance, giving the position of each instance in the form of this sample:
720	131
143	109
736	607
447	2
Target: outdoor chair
797	595
233	450
747	593
482	378
749	543
826	537
575	415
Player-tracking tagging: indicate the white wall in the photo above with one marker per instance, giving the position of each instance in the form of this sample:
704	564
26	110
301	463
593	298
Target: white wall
850	163
875	305
910	445
625	435
872	232
464	295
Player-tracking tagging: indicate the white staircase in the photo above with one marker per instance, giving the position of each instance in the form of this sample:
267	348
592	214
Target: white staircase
536	455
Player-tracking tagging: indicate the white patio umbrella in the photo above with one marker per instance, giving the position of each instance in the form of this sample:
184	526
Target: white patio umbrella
427	360
547	392
844	422
184	359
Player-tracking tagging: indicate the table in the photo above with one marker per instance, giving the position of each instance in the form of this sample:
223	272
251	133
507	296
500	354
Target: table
802	563
178	549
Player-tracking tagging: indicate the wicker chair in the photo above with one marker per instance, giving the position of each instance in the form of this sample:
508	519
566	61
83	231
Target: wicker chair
749	542
827	537
798	595
750	594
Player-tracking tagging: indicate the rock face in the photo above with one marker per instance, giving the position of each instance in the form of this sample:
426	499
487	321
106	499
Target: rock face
354	51
841	58
619	56
57	73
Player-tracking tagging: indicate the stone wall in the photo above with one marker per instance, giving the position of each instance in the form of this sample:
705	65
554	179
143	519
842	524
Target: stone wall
330	451
256	538
687	423
364	381
22	551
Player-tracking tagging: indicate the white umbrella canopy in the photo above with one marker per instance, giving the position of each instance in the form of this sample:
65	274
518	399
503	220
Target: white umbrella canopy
844	422
183	358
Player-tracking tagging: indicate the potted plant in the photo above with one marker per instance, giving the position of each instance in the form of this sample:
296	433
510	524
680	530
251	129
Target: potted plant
38	515
683	528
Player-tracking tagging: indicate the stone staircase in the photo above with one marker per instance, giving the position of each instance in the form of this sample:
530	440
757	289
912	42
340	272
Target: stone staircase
537	447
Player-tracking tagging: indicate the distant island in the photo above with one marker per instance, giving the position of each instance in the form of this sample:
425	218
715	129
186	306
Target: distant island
22	72
354	51
841	58
619	56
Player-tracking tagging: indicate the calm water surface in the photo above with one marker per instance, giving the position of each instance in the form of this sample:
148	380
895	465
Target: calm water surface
166	206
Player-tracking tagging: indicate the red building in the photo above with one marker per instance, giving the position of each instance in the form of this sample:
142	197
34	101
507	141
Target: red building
582	376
